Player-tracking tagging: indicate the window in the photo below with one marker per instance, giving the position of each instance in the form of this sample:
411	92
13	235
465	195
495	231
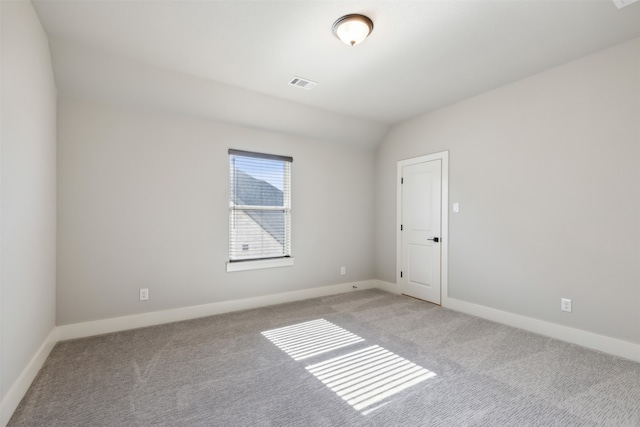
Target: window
259	210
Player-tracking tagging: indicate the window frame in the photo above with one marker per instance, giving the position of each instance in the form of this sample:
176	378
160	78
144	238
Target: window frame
240	264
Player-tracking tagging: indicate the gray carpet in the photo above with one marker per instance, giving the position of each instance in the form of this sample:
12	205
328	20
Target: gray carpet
375	360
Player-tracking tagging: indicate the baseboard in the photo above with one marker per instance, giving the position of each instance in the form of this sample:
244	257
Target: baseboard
392	288
17	391
19	388
86	329
613	346
79	330
591	340
609	345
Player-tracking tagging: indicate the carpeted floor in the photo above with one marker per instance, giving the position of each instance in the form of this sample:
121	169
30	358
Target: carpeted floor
369	359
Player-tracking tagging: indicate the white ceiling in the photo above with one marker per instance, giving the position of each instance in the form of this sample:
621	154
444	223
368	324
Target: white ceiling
421	55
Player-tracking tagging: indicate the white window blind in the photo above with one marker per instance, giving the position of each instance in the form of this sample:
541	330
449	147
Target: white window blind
259	206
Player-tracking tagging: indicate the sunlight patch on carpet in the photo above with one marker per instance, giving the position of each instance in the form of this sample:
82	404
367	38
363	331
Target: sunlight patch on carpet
309	339
368	376
364	378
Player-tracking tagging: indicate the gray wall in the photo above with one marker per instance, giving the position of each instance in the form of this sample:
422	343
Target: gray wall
28	191
547	172
143	202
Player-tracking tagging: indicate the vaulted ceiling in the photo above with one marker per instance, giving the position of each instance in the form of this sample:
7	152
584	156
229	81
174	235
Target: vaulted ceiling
232	60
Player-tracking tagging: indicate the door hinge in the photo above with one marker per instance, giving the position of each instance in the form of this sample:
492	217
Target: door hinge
401	227
401	180
401	274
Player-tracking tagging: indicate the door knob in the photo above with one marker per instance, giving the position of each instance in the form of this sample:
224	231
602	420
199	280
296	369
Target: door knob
435	239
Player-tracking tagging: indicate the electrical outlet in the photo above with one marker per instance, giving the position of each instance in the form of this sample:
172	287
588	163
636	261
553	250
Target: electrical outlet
144	294
565	304
343	271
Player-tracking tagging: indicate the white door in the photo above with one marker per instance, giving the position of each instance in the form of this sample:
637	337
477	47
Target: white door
421	230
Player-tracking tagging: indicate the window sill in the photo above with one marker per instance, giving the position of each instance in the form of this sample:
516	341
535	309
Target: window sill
259	264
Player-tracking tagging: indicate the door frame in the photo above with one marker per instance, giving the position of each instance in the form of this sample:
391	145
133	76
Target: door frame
443	156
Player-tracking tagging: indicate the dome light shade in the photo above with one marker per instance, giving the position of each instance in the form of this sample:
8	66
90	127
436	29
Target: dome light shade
352	29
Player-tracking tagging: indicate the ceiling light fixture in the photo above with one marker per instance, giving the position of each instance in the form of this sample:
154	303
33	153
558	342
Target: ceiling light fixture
352	29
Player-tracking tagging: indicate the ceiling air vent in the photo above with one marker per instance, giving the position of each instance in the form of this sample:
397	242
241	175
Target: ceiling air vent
302	83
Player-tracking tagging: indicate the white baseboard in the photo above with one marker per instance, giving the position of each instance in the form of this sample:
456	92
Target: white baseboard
19	388
79	330
15	394
392	288
97	327
609	345
614	346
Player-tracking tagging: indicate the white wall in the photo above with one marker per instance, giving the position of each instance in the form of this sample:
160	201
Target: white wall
28	191
143	202
547	173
